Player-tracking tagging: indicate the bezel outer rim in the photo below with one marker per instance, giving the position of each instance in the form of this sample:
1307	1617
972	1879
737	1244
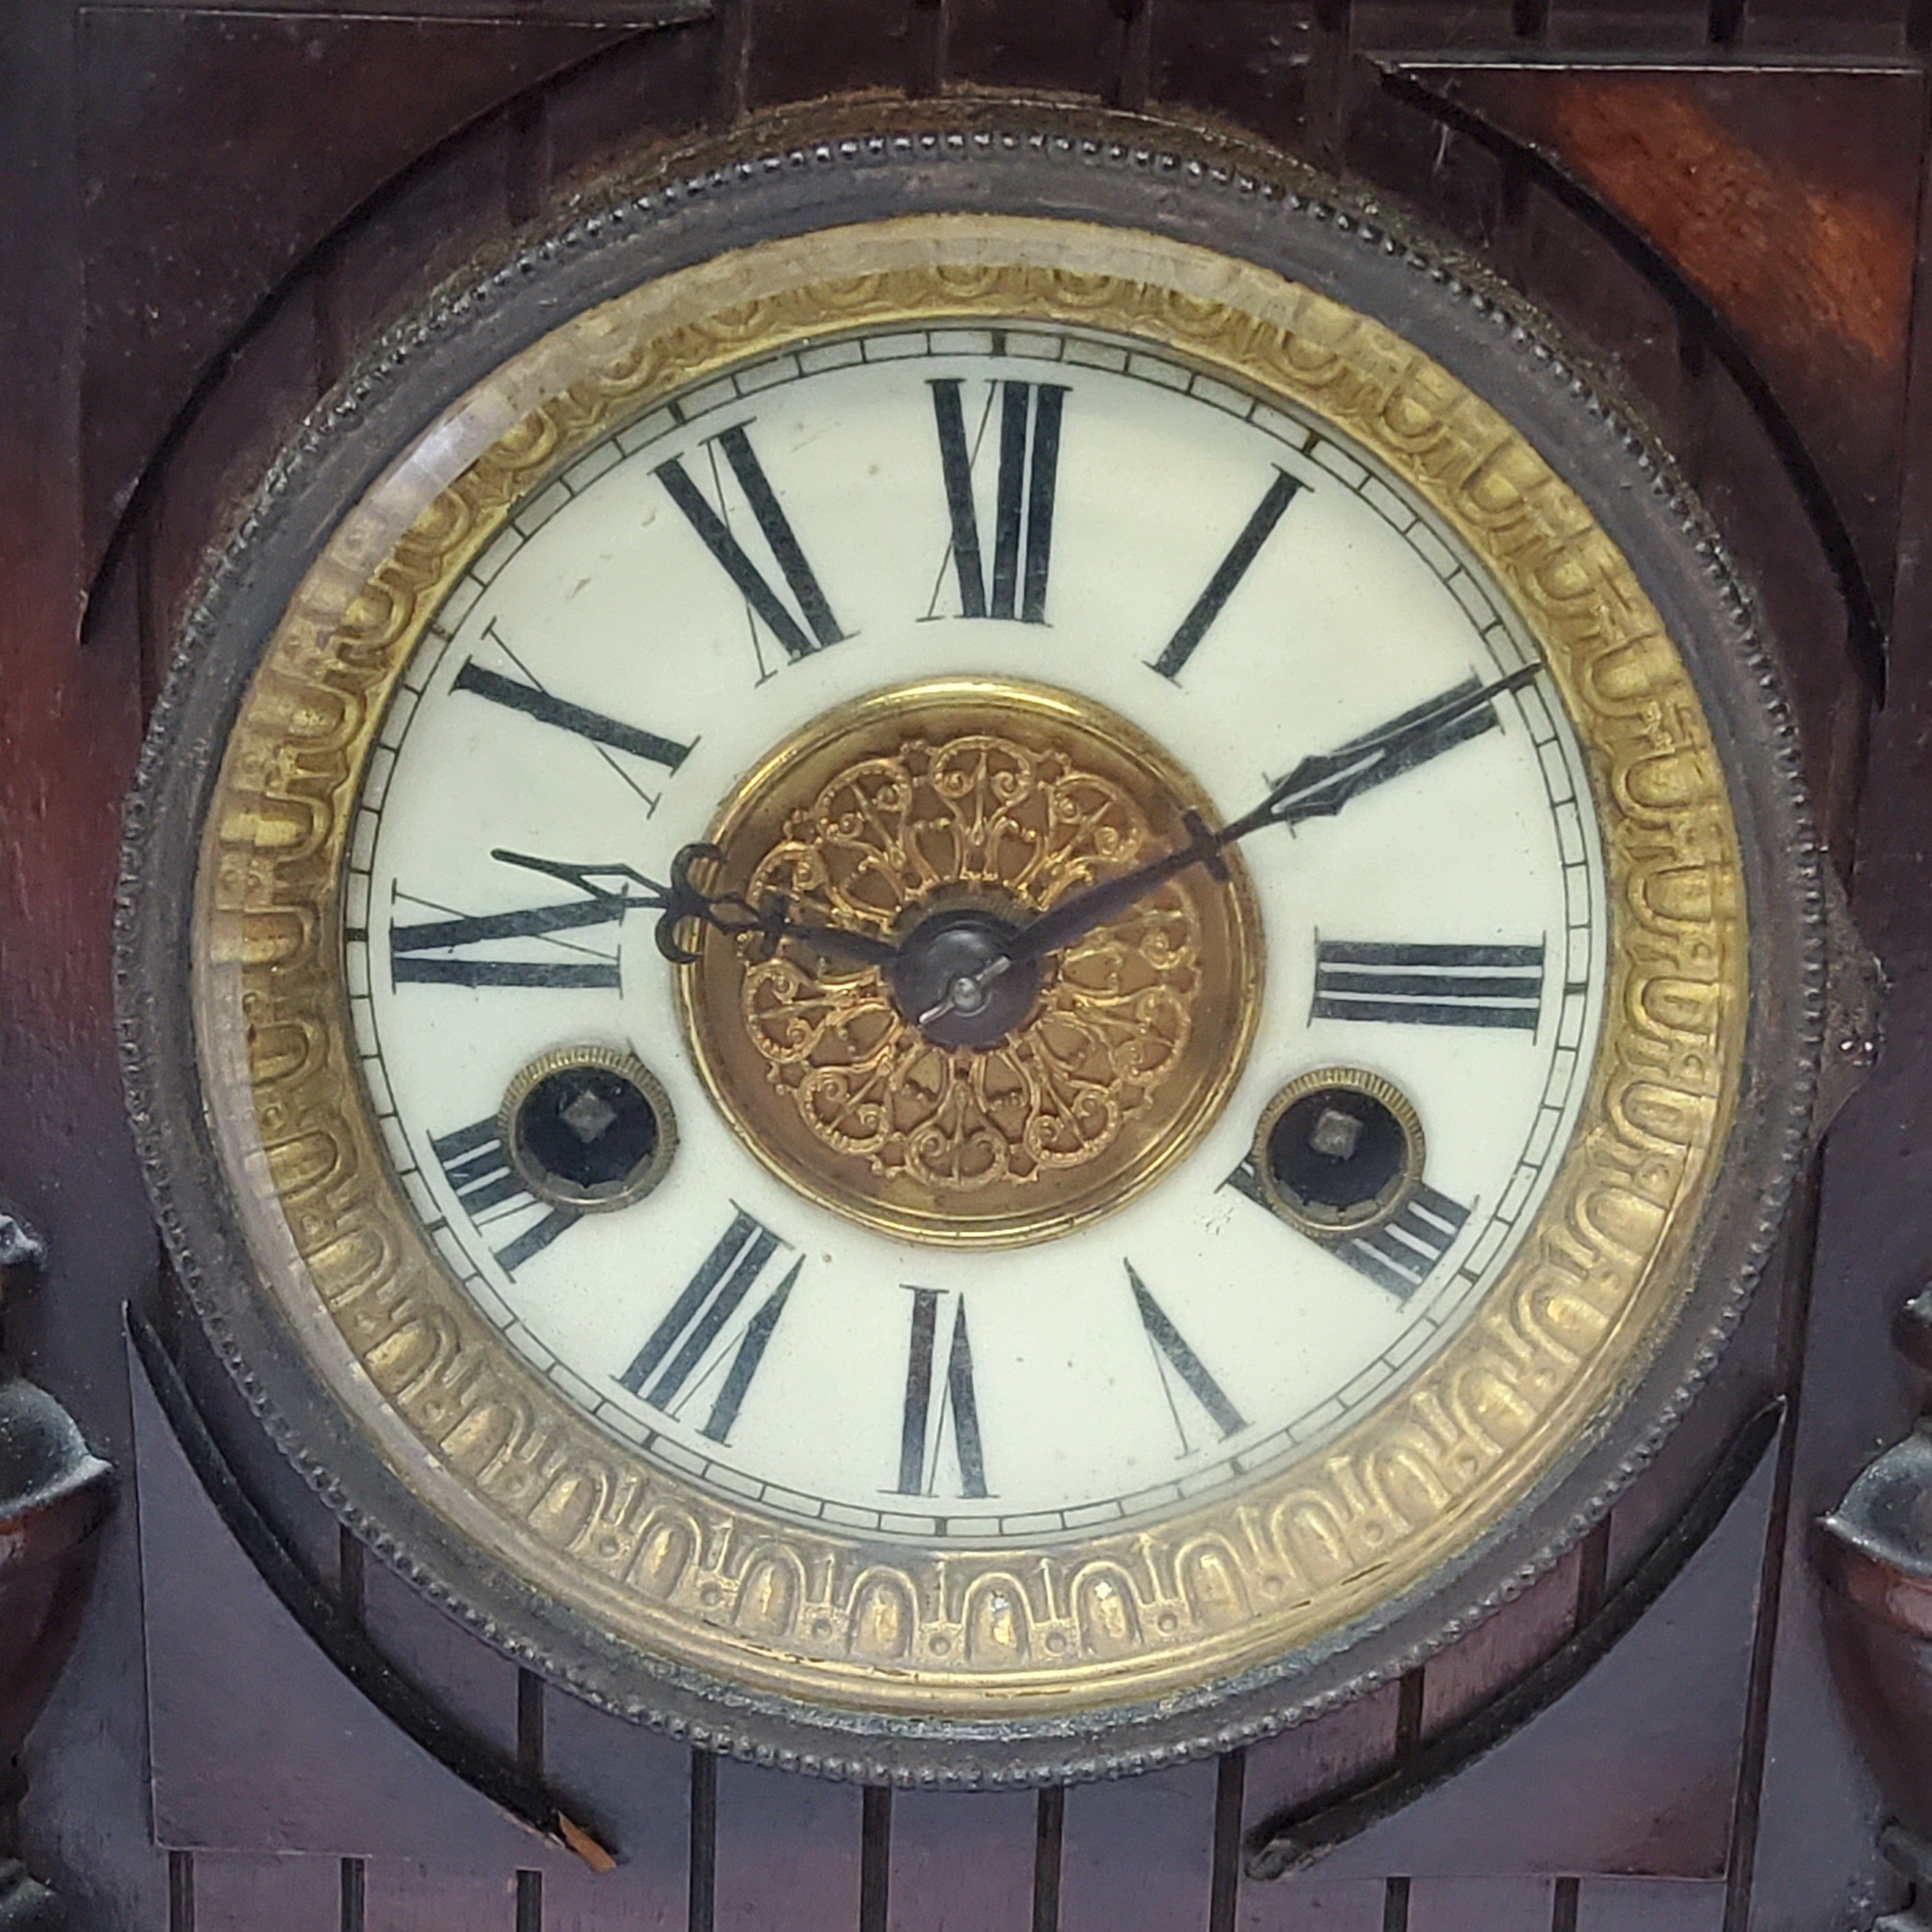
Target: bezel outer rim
787	175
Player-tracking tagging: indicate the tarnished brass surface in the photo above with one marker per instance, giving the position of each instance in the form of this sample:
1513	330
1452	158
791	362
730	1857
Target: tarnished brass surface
826	1618
1007	798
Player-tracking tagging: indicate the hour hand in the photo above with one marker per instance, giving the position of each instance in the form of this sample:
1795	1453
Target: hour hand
683	900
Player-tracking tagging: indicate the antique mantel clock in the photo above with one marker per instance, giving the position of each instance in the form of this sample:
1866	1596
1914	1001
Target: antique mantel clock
970	949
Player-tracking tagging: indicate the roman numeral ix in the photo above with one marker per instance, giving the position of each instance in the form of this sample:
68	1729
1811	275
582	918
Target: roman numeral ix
490	1191
926	1425
1428	985
814	627
1023	498
432	952
688	1349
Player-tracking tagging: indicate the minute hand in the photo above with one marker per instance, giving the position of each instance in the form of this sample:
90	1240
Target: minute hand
1317	787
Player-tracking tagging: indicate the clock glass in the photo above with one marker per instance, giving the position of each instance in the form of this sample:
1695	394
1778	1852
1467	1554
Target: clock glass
969	994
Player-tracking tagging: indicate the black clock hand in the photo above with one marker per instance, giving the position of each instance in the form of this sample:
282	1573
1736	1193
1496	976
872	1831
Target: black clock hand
683	900
1317	787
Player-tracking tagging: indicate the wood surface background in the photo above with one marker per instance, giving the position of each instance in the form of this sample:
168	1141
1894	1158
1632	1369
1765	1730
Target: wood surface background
206	209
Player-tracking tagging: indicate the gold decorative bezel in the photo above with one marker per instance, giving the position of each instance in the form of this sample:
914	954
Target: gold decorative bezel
826	1619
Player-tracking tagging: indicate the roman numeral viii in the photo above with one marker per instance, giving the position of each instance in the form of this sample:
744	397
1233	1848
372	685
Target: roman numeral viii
490	1193
1023	497
689	1350
926	1425
1402	1253
1428	985
814	627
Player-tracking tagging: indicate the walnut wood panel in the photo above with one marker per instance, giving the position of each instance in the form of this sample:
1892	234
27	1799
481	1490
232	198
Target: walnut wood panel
319	113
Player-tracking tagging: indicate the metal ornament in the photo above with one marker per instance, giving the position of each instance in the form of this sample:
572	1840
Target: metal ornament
823	1650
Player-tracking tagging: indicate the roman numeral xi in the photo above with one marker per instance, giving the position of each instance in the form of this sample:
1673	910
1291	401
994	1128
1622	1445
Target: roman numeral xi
813	626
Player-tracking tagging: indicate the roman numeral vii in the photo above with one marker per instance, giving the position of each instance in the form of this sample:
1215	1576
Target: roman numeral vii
687	1350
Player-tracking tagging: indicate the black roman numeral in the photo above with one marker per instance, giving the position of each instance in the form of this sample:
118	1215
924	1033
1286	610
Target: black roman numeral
697	1319
430	952
534	702
1164	1337
924	1428
1228	573
1402	1253
490	1191
1023	499
799	639
1428	985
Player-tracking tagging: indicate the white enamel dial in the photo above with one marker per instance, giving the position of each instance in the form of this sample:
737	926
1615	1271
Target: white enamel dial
1243	587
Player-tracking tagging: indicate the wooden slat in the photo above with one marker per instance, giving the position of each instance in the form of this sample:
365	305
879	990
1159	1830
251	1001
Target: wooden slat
235	1892
787	1852
1139	1851
404	1895
962	1859
1492	1905
1636	1905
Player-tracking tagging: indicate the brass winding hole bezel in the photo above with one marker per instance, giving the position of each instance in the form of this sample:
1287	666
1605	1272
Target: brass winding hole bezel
604	1197
1341	1225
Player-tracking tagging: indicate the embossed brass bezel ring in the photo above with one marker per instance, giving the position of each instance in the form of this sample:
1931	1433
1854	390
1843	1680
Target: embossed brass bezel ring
855	1655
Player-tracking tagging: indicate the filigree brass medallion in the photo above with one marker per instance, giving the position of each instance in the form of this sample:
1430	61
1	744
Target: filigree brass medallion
1005	797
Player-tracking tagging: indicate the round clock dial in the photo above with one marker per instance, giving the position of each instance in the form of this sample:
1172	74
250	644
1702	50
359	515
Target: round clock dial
801	610
967	992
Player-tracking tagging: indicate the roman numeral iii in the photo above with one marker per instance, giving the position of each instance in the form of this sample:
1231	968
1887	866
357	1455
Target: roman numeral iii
927	1425
814	627
687	1350
1022	542
1428	985
489	1190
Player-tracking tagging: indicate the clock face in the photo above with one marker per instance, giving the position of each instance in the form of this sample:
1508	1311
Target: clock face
969	995
925	625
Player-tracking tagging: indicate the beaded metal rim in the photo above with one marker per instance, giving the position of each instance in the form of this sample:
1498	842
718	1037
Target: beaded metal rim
1219	1713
